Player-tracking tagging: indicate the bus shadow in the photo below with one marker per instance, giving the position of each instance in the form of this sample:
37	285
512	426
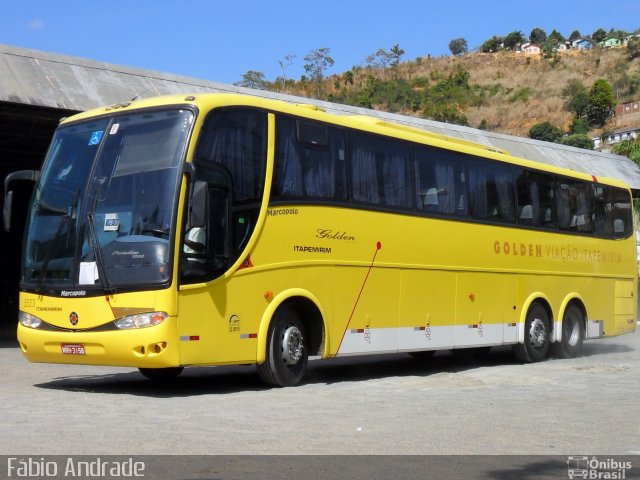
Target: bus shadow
192	382
234	379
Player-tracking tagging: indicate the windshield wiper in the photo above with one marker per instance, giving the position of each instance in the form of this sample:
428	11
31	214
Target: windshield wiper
45	263
107	286
65	218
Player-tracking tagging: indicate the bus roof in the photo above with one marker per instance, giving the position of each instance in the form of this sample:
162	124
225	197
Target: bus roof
207	101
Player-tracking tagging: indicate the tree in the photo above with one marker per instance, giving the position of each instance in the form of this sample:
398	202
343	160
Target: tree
396	54
575	35
579	140
628	148
458	46
633	48
545	131
287	61
621	34
513	40
549	48
601	102
380	60
494	44
573	87
537	36
599	35
579	126
579	104
253	79
556	36
318	61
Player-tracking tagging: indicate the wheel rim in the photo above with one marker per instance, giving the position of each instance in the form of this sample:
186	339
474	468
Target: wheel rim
538	333
573	331
292	345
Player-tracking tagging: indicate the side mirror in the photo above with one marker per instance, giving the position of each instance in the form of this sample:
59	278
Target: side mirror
30	175
198	205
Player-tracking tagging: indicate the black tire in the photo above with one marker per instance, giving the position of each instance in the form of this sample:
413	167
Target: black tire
287	350
570	346
537	336
423	354
161	374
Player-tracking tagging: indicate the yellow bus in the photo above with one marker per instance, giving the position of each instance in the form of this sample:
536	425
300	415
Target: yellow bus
226	229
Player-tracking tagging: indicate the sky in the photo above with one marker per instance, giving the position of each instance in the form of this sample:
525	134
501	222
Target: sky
220	40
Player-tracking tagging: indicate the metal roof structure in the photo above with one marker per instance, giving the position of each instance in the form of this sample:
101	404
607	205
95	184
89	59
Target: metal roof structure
67	83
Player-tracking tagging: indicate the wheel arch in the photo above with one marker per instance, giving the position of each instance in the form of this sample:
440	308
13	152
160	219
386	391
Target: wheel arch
311	314
535	298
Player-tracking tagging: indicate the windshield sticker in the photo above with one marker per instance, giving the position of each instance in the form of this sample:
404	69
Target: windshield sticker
95	138
88	273
114	129
111	222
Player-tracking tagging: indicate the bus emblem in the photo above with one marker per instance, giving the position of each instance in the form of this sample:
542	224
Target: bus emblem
73	318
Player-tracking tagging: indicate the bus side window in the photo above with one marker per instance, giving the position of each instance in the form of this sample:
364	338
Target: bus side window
380	171
621	212
491	191
310	161
601	214
535	199
440	181
575	206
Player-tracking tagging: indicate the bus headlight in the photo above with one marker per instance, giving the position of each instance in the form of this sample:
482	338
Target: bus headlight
141	320
28	320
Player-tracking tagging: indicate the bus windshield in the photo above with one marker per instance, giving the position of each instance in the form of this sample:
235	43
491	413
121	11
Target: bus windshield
104	209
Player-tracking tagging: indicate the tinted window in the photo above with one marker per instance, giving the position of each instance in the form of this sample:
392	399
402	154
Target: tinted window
236	139
310	163
380	171
491	192
535	199
602	209
622	216
574	205
440	181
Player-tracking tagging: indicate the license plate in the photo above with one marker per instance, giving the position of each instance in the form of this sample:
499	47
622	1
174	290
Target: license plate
73	349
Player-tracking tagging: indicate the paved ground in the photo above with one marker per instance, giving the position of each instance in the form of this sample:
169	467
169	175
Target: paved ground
388	404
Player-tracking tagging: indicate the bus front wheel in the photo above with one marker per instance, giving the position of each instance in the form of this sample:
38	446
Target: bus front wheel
537	336
287	350
570	345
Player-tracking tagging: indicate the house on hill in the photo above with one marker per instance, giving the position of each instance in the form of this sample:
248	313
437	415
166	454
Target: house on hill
613	42
530	49
618	136
582	44
627	108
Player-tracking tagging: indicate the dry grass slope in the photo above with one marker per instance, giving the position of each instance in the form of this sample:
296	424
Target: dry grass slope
523	90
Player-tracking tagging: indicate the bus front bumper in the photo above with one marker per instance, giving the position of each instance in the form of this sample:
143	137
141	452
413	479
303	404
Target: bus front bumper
152	347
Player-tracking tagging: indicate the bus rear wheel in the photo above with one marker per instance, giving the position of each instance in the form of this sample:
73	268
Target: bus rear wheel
537	330
287	350
570	346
